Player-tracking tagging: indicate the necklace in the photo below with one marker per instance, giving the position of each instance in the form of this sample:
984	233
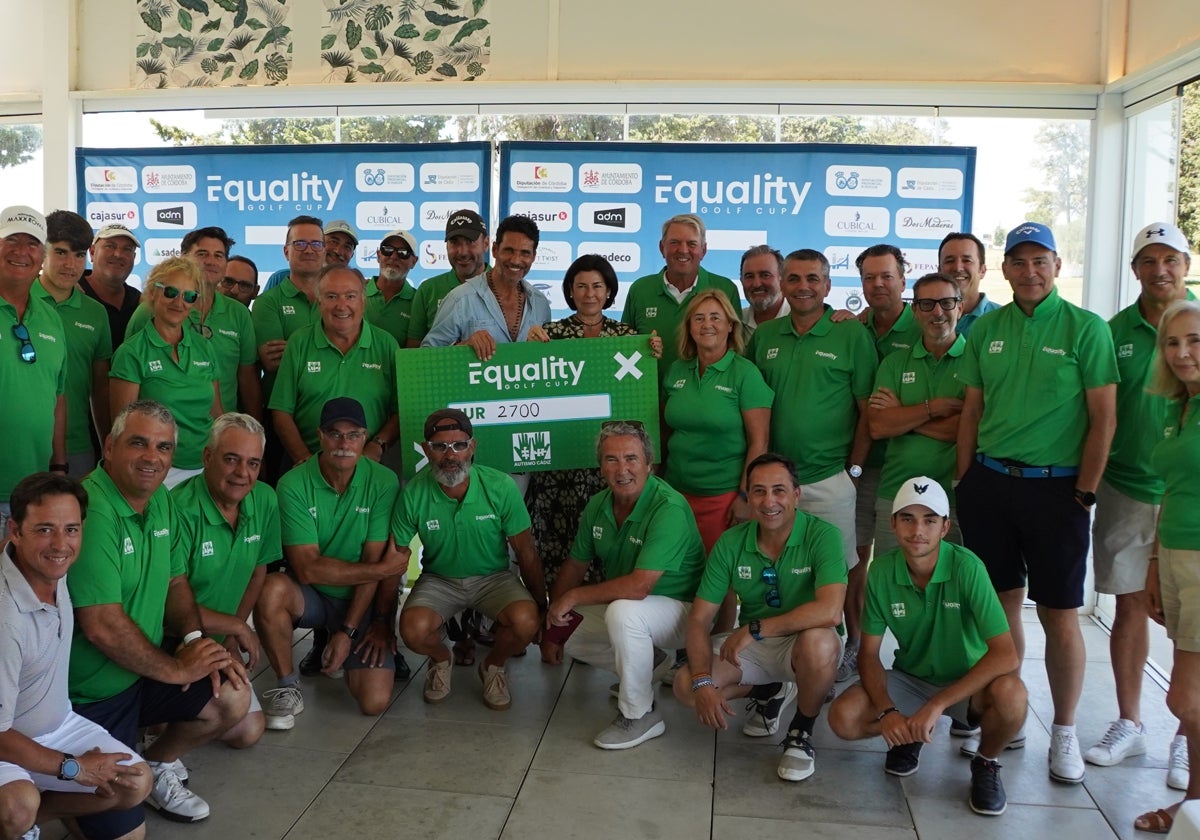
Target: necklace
595	323
512	322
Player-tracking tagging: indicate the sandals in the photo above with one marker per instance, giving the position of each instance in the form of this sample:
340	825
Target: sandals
1155	822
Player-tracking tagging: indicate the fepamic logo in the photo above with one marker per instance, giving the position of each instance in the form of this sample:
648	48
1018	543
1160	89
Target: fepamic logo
384	215
111	179
299	192
384	177
157	250
762	194
433	215
170	215
550	216
542	177
169	179
921	261
866	222
453	176
624	256
864	181
101	213
624	178
928	223
928	182
609	217
531	449
433	255
550	372
552	255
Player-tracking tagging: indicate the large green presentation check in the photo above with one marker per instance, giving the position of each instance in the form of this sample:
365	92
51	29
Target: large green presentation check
534	405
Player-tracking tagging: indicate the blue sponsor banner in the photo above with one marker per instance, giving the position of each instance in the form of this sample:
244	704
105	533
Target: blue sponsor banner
612	198
252	192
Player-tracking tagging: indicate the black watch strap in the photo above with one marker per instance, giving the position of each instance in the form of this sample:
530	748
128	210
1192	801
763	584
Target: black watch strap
352	632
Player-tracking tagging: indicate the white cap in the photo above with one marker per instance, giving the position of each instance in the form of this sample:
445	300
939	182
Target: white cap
1160	233
22	219
341	226
409	239
923	491
111	231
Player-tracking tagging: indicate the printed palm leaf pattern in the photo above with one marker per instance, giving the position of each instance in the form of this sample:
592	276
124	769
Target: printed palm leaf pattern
404	40
205	43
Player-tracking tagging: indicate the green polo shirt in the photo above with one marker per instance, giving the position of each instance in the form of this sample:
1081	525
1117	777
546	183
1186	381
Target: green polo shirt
277	313
313	372
1140	415
27	422
648	307
817	378
393	315
428	300
659	535
812	558
461	539
708	435
126	558
915	376
312	513
941	631
184	386
89	340
233	341
1034	372
220	558
1177	459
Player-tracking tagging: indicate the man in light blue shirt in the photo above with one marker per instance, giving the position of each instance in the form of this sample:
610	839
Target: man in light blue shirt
963	257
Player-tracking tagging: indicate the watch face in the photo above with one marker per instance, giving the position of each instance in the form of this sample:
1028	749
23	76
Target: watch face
856	471
70	768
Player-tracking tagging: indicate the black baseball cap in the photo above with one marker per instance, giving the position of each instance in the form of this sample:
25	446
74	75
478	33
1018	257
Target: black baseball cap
466	223
448	420
343	408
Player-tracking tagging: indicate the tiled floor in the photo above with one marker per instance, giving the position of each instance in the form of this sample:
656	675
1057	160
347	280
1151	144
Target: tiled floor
460	770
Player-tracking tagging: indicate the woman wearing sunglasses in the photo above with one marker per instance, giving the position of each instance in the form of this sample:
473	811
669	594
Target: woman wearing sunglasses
167	362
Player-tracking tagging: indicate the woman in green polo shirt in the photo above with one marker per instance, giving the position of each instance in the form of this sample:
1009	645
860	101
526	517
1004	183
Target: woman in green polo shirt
1173	579
717	418
170	364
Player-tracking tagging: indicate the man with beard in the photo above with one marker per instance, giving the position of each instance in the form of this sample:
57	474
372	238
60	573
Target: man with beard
762	268
333	512
241	280
467	516
113	252
390	296
466	249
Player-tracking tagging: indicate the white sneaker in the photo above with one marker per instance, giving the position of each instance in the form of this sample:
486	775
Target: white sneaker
171	799
1066	764
177	767
34	833
848	667
1123	739
971	745
1178	771
281	705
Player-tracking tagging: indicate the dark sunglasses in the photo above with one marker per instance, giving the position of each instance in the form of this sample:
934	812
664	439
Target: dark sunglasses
388	250
771	578
928	304
610	424
242	285
172	292
26	351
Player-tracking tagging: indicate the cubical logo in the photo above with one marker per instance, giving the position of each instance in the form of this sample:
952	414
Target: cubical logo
383	176
610	217
531	449
865	222
385	215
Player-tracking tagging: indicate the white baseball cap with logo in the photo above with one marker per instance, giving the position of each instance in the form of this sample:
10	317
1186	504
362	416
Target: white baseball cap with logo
1160	233
923	491
408	238
111	231
20	218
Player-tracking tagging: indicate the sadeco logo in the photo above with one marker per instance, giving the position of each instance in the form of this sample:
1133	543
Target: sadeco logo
531	448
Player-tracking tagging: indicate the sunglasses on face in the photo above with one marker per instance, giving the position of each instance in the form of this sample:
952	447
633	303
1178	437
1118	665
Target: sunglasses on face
928	304
609	424
305	244
172	292
771	578
388	250
442	447
27	353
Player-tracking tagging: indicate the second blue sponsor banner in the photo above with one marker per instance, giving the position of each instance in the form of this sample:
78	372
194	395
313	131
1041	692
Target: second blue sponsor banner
252	192
612	198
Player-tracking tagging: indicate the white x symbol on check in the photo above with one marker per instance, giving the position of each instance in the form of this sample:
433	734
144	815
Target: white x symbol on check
628	365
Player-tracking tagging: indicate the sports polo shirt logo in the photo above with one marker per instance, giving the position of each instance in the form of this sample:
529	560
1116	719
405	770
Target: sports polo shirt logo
229	333
128	549
155	365
314	367
484	517
825	354
84	326
48	337
996	347
161	532
679	383
1054	351
1125	351
206	549
198	363
433	525
360	509
951	605
908	377
312	511
772	352
372	366
803	570
635	540
288	309
898	610
724	388
252	538
651	311
597	532
744	573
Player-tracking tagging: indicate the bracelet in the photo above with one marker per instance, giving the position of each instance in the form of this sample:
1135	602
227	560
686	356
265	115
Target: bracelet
383	444
885	713
60	468
702	682
193	636
928	410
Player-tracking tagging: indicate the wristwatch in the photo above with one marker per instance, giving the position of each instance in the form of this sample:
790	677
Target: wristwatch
756	629
1085	498
352	632
69	770
855	471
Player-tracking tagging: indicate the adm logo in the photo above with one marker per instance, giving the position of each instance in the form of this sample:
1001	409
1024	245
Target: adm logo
170	215
610	217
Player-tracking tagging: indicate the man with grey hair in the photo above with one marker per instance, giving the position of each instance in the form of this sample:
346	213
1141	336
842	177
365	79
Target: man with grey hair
228	533
656	303
762	268
645	535
126	586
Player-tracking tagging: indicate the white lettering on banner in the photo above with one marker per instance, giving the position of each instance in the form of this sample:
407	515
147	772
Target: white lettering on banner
763	189
551	371
301	188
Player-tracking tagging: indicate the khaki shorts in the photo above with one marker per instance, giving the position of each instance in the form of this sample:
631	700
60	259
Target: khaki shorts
910	693
763	662
1122	541
490	594
1179	577
833	500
